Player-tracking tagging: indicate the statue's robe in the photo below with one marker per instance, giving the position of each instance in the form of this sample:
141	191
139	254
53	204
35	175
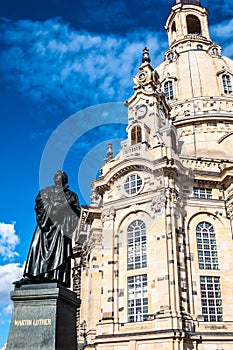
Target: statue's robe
49	258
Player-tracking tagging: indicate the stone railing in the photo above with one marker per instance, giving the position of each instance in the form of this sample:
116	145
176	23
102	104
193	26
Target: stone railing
201	164
214	327
206	105
132	149
194	36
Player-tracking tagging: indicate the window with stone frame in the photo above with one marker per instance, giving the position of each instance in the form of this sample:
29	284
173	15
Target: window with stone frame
169	89
136	134
137	298
204	193
215	51
173	30
133	184
193	24
137	254
227	85
206	246
211	298
170	56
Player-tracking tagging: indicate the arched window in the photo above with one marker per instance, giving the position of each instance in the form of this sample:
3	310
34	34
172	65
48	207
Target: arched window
169	90
193	24
174	26
137	257
173	31
206	246
136	134
226	81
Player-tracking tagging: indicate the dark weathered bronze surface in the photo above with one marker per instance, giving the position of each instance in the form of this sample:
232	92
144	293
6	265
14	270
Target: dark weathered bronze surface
57	213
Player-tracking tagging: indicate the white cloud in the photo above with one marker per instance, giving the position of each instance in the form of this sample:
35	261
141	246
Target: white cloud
51	62
56	65
8	274
219	8
7	310
222	34
223	30
8	241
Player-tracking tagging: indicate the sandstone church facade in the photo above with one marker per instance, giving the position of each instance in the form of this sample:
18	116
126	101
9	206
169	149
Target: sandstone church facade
154	250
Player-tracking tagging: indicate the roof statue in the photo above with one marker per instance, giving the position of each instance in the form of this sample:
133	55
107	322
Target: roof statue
146	56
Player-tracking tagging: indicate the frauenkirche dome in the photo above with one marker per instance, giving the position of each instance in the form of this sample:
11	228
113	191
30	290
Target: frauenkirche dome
197	81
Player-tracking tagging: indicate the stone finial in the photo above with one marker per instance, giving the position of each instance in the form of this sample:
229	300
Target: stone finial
109	155
145	56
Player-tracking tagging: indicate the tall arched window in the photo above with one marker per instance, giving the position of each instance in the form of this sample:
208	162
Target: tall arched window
193	24
226	81
173	31
206	246
174	26
169	89
136	134
137	257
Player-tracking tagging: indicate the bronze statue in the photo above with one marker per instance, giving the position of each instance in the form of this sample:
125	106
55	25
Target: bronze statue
57	213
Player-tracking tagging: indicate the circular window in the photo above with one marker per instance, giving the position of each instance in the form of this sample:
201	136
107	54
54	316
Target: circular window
170	56
142	76
133	184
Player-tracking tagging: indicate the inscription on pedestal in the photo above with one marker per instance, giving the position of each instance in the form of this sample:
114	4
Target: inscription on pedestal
44	318
39	322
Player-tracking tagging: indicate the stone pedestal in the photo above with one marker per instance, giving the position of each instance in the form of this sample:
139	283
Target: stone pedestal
43	318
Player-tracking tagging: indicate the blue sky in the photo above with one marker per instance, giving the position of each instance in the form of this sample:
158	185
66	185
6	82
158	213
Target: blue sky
58	58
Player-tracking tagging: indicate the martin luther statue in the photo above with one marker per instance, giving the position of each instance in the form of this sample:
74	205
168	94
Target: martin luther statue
57	214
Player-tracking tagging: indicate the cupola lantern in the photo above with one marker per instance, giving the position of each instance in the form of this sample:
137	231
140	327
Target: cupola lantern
188	2
187	18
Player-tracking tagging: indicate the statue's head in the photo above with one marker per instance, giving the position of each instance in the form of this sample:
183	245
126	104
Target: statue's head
60	178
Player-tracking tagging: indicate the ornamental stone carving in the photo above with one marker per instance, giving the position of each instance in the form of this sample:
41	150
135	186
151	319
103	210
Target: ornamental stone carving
230	211
96	198
158	203
108	214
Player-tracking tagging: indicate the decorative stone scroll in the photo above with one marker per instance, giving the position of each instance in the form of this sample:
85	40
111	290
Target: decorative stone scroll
158	203
96	198
108	214
230	211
